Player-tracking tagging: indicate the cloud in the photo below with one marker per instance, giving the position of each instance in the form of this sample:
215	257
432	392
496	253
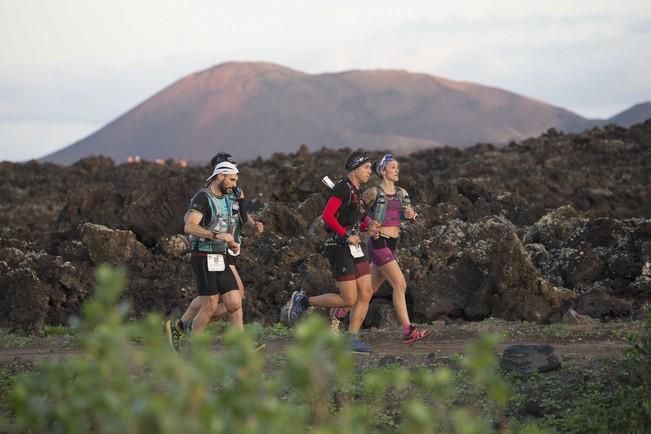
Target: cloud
74	62
574	62
640	25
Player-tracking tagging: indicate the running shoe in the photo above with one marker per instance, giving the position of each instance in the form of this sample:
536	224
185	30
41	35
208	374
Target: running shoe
296	308
175	334
415	334
360	347
336	315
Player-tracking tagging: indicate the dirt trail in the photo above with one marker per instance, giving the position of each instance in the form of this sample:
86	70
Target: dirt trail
436	348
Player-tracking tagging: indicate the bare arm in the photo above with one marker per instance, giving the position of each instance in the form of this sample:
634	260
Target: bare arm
369	197
257	225
192	226
249	221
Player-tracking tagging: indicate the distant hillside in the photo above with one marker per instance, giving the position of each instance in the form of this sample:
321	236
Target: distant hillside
253	109
635	115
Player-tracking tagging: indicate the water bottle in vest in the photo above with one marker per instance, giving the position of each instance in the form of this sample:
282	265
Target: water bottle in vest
406	202
220	224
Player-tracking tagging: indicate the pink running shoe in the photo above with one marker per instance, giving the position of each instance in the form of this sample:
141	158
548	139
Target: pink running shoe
336	314
415	334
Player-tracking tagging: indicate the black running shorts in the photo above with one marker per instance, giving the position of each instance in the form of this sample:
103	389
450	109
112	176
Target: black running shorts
212	282
342	264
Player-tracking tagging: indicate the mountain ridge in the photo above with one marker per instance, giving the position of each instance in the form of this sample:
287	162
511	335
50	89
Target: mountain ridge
257	108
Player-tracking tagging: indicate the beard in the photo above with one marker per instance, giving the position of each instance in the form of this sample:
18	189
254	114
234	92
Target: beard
222	189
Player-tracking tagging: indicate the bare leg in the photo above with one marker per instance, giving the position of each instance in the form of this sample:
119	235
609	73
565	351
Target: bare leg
238	279
192	310
206	311
346	298
233	303
377	278
391	272
221	310
360	308
237	314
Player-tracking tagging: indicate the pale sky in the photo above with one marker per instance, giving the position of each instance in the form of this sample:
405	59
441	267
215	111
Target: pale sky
68	67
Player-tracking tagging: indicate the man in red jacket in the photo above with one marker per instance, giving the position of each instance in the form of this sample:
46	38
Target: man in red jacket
345	251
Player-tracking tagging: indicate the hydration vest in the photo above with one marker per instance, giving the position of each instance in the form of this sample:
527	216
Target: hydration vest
360	203
379	209
221	220
323	228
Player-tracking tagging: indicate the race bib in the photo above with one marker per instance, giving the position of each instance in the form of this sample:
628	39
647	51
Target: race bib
216	263
356	250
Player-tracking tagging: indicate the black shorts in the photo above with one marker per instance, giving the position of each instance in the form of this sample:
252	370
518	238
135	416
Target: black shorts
212	282
342	264
231	260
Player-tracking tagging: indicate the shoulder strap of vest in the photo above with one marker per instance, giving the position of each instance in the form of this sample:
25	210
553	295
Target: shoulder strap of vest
214	210
350	189
405	202
402	194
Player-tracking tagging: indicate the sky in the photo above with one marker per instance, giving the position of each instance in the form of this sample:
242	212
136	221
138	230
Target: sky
68	67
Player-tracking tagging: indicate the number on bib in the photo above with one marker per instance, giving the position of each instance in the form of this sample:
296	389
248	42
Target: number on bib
356	250
216	263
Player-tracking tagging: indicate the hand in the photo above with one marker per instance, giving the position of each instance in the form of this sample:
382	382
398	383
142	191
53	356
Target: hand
353	239
410	214
235	247
259	227
374	228
228	238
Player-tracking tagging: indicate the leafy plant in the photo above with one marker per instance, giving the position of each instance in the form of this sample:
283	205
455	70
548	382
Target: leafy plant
10	339
127	381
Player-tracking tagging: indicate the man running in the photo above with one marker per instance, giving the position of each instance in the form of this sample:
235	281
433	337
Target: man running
213	227
345	251
177	329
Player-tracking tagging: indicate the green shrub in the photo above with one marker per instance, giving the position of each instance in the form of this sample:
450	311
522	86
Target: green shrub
625	404
127	381
612	395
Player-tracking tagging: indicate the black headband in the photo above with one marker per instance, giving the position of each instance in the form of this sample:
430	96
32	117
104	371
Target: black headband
356	162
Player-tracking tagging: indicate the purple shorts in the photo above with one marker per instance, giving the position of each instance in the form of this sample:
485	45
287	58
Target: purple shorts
381	250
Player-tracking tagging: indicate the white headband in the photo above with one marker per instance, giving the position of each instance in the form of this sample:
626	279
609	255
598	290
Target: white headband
224	168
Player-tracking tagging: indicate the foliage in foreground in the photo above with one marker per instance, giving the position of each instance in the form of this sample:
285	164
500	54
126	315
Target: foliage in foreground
127	381
626	406
611	395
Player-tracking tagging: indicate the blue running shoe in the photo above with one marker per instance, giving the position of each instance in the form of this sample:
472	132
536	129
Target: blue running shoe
360	347
296	308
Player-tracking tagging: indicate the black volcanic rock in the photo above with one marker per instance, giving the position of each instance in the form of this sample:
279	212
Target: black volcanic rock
526	359
476	270
528	231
